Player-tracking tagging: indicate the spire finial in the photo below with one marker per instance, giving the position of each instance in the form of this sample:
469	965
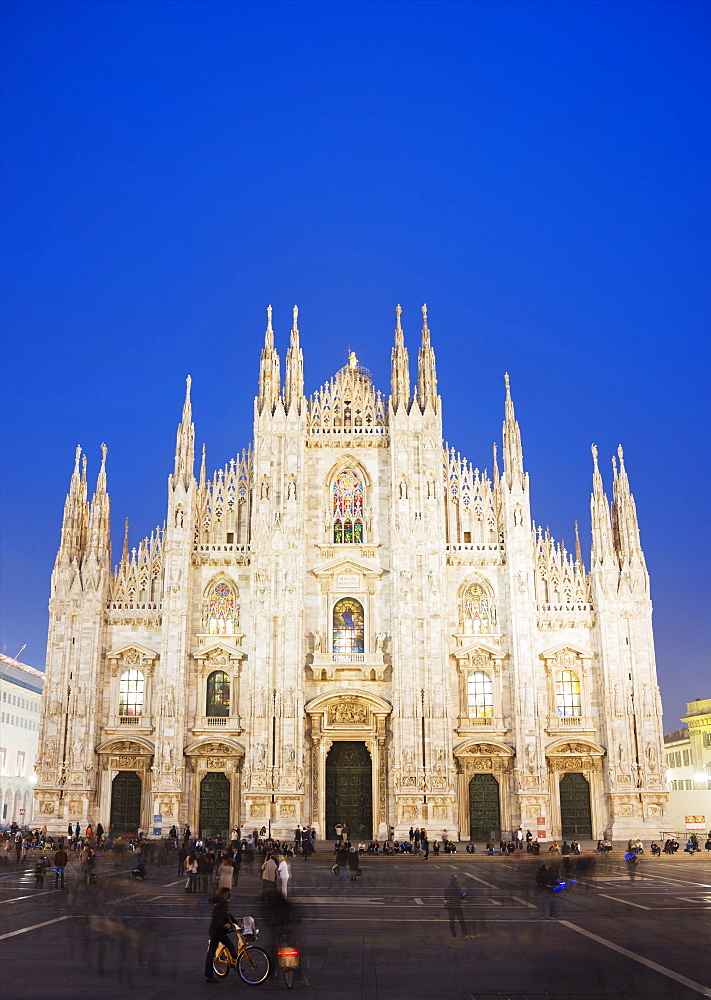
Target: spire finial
507	383
424	317
269	318
77	457
578	552
295	313
104	452
621	456
352	359
398	313
593	449
188	383
124	555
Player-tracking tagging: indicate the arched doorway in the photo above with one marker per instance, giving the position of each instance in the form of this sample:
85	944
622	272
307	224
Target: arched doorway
484	812
125	802
575	818
349	789
215	805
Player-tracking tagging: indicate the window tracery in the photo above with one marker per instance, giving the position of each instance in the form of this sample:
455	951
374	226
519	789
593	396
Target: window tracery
477	611
221	612
348	626
480	695
567	694
131	692
347	508
218	694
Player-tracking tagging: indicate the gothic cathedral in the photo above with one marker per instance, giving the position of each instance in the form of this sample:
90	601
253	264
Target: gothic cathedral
349	623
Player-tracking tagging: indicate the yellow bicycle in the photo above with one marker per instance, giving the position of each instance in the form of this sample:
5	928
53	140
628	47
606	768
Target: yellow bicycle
252	963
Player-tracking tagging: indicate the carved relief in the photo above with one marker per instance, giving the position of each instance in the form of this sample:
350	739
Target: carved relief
347	712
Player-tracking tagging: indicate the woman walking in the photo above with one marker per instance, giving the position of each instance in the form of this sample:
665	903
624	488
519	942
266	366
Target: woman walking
353	863
283	874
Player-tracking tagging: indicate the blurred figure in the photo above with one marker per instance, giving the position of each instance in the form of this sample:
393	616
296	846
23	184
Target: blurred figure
220	924
453	899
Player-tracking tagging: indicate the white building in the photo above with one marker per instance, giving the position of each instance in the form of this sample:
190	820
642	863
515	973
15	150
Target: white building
20	700
349	622
688	759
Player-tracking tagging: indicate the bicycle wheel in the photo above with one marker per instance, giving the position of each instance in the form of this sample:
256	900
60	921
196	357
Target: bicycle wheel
221	961
253	965
289	978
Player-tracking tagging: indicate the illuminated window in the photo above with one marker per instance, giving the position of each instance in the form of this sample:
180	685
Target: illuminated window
218	693
347	508
480	695
567	694
348	632
221	616
131	689
477	611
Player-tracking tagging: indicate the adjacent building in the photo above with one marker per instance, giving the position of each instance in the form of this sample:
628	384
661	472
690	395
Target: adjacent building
688	760
351	622
20	702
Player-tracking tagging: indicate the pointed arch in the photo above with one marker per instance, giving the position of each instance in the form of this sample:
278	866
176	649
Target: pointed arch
477	608
347	484
221	607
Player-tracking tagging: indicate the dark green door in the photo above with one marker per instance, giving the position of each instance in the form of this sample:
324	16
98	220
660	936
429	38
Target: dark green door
575	819
214	805
349	790
484	819
125	802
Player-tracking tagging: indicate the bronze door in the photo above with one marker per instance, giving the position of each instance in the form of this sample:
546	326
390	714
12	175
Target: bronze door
484	816
125	803
214	805
575	819
349	790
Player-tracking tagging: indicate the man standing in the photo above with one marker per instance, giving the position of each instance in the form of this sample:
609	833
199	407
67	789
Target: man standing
453	898
342	861
61	859
519	839
269	874
424	841
220	924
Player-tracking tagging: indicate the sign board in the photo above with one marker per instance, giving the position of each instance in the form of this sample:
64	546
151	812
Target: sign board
541	827
695	822
348	581
157	818
22	812
157	831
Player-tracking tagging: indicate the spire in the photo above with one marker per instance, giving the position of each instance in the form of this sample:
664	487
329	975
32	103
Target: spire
73	535
294	379
513	452
203	475
98	545
602	550
185	441
495	465
578	552
399	369
269	373
426	373
124	554
624	513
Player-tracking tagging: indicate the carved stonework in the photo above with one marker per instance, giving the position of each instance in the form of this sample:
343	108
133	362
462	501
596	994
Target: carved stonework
347	712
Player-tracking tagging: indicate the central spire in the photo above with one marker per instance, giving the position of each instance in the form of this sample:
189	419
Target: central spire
426	372
269	370
513	451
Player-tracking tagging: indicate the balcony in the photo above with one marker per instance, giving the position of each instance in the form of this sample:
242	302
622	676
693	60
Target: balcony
468	726
132	723
558	724
220	723
345	666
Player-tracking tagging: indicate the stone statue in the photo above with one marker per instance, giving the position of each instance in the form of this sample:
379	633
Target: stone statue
317	641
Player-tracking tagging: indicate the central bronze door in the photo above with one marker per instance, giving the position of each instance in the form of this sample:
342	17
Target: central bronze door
575	819
125	803
214	805
349	790
484	816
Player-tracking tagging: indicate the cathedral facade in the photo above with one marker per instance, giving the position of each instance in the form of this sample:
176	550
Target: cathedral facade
350	623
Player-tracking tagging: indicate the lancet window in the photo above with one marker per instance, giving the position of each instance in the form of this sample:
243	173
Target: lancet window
218	694
480	695
347	508
221	613
567	693
348	626
131	691
477	611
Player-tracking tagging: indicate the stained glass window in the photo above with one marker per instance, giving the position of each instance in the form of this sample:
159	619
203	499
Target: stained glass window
567	693
347	508
221	616
480	695
348	633
131	688
218	694
477	611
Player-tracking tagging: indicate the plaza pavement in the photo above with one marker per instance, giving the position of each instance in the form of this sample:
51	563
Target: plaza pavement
384	937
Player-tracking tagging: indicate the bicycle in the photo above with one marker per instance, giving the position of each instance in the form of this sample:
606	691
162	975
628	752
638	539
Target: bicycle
252	963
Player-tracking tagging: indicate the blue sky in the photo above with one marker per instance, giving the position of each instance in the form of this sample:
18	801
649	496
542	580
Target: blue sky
536	172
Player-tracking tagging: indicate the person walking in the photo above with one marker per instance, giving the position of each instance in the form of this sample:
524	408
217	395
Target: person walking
565	852
342	862
191	868
353	863
424	841
220	924
269	874
61	860
283	874
453	899
225	874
